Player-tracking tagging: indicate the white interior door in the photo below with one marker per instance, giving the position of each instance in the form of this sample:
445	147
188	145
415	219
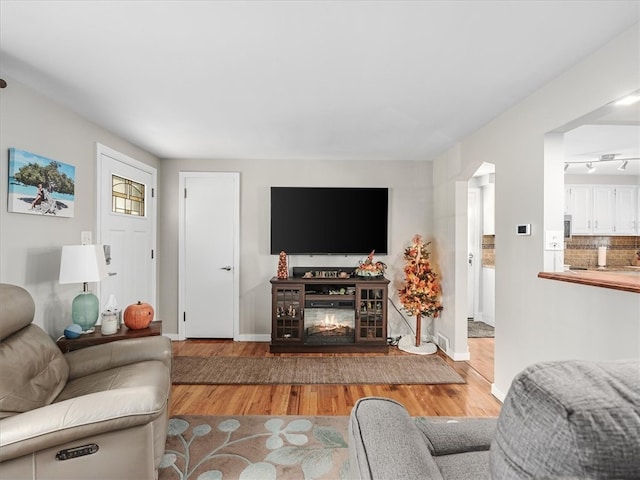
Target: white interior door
131	237
209	254
473	252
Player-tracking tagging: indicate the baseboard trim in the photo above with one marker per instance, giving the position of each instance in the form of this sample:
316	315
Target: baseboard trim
456	356
496	392
460	356
253	338
240	338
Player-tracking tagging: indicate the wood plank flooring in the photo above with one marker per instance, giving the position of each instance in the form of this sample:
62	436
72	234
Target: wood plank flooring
482	356
470	399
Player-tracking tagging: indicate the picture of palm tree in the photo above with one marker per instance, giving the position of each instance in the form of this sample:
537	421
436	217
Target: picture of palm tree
40	185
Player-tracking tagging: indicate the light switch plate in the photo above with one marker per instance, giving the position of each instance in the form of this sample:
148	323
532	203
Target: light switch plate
554	240
85	238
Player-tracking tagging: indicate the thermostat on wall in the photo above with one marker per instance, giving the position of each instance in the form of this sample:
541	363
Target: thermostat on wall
523	229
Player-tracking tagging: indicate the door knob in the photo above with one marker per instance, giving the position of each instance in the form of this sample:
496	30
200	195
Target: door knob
227	268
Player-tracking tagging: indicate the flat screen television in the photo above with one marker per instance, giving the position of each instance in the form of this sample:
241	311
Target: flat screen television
329	221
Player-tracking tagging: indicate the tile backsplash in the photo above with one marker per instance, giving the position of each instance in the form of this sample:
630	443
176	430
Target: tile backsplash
582	251
488	250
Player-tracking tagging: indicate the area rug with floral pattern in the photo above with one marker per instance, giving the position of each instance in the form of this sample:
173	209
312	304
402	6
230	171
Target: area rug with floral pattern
255	447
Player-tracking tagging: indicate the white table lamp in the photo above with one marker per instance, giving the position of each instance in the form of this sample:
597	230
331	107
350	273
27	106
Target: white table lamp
83	264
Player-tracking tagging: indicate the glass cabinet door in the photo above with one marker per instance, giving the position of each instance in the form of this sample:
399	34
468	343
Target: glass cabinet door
287	314
371	306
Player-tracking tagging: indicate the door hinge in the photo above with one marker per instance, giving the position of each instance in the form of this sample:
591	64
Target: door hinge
151	254
153	192
185	193
184	316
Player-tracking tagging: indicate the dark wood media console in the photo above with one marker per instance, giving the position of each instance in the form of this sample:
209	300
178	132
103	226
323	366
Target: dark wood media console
327	315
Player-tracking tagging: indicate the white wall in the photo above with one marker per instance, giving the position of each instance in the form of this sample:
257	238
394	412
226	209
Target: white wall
602	179
30	245
557	320
450	198
410	210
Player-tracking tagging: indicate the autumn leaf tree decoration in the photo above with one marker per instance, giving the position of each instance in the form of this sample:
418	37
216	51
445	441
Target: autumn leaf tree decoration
283	270
420	295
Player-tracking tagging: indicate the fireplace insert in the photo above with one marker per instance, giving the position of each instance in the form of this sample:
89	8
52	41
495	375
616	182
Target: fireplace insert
329	321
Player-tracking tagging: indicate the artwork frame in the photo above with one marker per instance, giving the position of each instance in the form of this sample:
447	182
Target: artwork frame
40	186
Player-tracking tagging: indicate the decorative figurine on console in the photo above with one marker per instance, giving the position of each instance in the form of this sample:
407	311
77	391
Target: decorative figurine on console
283	270
370	268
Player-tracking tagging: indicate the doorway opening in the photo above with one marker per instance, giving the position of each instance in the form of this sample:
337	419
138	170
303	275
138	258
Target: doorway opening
481	270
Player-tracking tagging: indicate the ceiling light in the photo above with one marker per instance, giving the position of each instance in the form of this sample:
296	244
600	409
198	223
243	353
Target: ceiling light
623	165
607	157
628	100
590	168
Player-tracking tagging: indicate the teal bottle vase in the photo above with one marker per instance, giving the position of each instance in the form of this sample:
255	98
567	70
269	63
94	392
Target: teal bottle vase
85	310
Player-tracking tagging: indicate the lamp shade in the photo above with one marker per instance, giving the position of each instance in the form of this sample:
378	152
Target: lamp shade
82	264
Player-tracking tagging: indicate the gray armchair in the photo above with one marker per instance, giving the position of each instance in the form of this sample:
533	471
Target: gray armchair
560	420
99	412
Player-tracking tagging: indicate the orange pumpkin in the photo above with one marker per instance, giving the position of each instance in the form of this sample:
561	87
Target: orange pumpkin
138	316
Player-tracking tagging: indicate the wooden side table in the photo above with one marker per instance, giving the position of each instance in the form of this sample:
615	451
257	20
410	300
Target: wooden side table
96	338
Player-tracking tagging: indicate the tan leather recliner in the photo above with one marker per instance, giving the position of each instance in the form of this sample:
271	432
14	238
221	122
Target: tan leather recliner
95	413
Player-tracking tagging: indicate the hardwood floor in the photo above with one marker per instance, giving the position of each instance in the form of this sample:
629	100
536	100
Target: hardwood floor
482	357
470	399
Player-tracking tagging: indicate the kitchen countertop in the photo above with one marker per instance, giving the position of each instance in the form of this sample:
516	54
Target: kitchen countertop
626	279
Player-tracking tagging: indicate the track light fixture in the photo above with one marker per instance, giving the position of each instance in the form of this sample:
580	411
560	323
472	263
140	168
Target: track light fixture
610	157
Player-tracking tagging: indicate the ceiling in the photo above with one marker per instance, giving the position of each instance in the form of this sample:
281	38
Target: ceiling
611	130
370	80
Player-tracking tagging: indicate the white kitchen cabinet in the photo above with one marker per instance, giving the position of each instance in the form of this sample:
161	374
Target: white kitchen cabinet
626	210
603	210
488	298
579	204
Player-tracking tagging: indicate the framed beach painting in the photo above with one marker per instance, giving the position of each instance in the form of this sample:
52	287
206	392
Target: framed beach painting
39	185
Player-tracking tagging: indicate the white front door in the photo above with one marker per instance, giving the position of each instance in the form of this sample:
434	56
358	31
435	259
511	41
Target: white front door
128	228
208	257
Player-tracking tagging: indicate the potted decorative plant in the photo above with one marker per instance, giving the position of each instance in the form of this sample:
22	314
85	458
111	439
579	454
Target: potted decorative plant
420	295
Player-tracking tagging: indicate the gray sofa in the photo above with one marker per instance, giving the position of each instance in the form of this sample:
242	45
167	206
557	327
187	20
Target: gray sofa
99	412
560	420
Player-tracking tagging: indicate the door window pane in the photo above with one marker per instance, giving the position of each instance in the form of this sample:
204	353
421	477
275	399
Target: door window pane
127	196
